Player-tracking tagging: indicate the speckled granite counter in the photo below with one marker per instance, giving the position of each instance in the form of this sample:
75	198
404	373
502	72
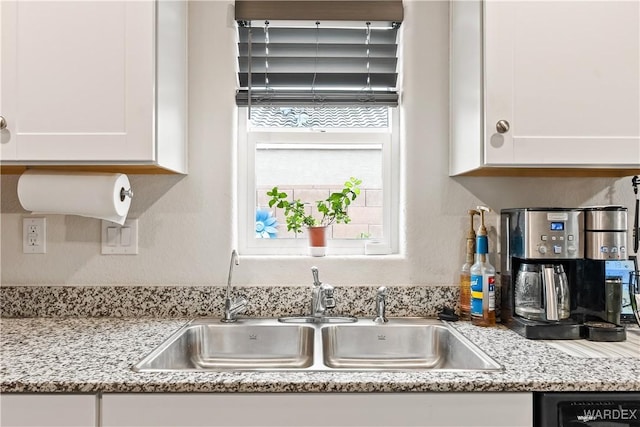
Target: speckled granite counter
95	355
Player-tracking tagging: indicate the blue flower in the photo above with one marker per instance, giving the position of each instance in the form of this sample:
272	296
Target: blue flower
266	224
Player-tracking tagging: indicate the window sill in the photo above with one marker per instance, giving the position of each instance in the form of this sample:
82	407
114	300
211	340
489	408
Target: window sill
327	258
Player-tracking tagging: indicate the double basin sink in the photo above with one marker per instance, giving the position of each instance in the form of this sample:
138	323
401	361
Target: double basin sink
269	345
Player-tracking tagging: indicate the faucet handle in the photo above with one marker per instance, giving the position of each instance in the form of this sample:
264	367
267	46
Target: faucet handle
382	291
234	307
241	300
316	278
241	305
327	291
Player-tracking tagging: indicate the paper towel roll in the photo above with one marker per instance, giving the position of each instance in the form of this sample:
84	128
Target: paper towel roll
95	195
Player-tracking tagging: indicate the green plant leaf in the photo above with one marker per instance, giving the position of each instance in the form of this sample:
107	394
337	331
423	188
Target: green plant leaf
333	209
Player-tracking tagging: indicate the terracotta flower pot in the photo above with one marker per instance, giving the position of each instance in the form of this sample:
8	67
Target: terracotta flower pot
317	240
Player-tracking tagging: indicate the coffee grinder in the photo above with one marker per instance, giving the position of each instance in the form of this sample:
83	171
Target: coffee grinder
550	288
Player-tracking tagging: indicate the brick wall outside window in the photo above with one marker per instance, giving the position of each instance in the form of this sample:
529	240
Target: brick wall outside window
365	211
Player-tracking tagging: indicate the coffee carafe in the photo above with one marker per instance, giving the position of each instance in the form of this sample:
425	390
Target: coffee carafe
528	292
542	292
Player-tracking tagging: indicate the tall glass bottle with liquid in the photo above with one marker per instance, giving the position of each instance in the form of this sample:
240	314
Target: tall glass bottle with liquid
465	271
483	280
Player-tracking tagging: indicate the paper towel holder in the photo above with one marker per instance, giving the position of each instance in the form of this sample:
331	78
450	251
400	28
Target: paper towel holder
124	193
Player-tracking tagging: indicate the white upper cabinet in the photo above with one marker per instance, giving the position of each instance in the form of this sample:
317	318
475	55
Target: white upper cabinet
545	85
94	83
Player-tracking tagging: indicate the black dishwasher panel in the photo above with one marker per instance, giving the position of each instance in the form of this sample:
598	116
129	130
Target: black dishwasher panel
587	409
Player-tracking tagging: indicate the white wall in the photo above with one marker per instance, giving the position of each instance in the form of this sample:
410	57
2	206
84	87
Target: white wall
186	222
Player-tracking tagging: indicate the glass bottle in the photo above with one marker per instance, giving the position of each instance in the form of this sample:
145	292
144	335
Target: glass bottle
483	297
465	291
465	271
465	284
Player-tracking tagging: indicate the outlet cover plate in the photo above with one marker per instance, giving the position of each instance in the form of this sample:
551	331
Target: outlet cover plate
120	239
34	235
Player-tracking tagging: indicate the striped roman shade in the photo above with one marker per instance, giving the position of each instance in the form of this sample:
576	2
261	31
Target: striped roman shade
286	57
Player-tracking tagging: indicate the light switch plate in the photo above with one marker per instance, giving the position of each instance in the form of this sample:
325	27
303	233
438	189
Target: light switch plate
34	235
115	238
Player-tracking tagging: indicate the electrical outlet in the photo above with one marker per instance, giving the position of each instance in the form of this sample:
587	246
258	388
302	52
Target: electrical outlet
34	235
32	239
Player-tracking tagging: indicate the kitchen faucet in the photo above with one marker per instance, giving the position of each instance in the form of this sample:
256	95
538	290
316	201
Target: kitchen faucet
321	300
381	303
233	307
321	296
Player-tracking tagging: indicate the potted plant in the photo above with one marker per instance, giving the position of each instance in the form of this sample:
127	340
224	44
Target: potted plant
333	209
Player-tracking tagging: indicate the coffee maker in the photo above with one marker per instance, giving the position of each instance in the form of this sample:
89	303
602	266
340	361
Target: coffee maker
553	271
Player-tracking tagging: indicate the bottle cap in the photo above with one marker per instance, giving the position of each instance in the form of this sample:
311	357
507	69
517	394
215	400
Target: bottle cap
482	245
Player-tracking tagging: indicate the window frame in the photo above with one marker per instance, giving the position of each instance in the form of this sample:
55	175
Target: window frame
248	139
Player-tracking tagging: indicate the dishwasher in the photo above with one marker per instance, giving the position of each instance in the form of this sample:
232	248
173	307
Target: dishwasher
597	409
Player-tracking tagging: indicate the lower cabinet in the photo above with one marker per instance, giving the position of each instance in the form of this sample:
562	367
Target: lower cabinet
267	409
65	410
318	409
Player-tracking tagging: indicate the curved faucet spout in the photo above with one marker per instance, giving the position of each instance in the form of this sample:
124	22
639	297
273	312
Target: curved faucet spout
233	308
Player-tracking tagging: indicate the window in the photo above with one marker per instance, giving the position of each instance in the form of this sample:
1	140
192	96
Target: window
316	107
308	153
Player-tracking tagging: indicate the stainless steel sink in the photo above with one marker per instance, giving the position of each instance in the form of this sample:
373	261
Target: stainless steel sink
267	344
256	344
401	344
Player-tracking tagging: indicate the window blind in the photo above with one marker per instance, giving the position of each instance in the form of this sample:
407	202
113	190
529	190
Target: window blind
309	62
312	10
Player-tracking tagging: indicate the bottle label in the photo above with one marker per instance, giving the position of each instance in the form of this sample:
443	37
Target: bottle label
492	293
465	295
476	295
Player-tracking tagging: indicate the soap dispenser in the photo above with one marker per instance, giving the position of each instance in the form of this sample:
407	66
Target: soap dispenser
483	280
465	271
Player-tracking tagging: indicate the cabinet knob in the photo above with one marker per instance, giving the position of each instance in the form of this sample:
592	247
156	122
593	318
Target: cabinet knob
3	123
502	126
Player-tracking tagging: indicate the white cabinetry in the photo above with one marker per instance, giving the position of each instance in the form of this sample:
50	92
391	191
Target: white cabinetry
564	75
94	83
48	410
311	409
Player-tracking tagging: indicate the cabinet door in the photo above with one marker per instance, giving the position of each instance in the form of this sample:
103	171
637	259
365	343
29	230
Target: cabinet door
565	75
312	409
47	410
77	80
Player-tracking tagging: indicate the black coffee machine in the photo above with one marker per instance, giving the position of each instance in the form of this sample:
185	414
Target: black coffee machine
550	289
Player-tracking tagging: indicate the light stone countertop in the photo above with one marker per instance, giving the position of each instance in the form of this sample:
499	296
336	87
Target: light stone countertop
90	354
